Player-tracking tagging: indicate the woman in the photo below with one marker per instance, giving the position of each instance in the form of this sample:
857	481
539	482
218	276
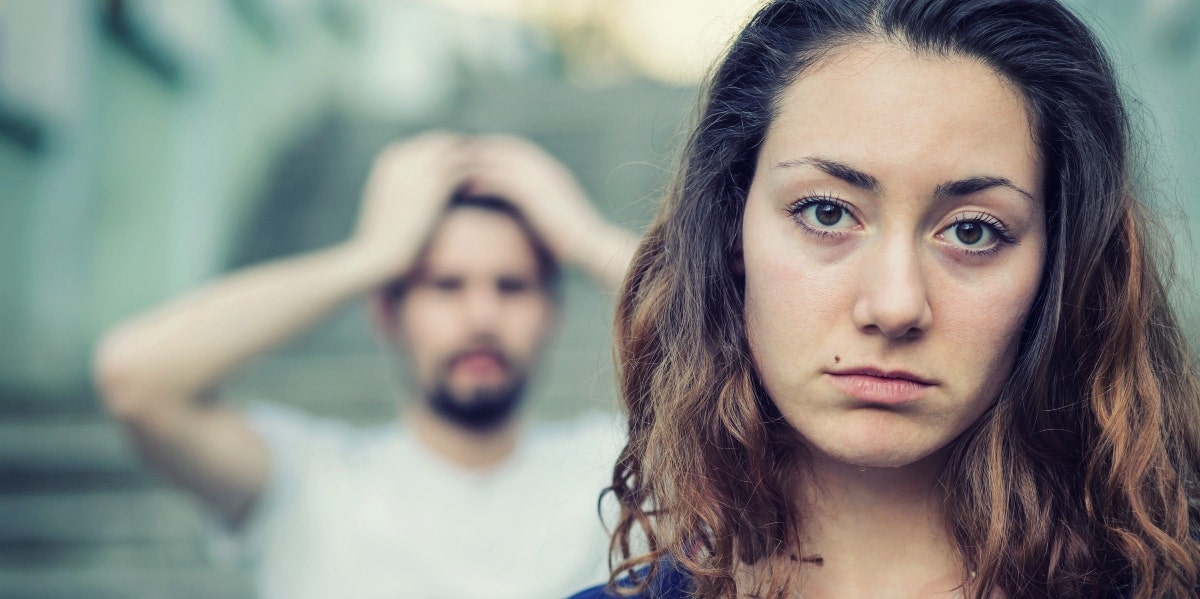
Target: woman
898	330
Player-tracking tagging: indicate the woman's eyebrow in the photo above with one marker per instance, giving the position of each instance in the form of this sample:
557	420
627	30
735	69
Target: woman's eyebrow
836	169
972	185
862	180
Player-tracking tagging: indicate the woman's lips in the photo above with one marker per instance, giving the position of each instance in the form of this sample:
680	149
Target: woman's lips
877	387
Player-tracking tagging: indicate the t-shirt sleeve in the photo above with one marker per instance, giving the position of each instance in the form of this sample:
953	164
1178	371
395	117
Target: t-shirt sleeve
292	437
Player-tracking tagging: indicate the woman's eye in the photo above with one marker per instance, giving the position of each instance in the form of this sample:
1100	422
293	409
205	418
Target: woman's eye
970	233
975	235
825	215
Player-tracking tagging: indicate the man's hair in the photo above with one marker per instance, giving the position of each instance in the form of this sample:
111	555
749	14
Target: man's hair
549	273
1077	482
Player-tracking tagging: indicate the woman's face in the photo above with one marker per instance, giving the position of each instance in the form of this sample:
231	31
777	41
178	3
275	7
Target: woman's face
893	242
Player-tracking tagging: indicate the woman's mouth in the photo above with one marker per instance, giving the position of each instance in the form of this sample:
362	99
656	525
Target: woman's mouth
877	386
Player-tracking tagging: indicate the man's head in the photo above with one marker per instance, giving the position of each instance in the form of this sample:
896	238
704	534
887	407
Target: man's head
475	311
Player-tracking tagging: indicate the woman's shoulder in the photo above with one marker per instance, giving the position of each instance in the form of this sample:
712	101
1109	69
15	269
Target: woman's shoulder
668	583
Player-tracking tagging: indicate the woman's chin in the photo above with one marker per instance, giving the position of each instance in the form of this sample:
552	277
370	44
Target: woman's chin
876	452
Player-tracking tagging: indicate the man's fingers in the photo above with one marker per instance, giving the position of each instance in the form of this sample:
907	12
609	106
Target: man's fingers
431	149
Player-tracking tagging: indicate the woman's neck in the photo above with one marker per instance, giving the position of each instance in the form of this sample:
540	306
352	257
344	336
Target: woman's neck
876	532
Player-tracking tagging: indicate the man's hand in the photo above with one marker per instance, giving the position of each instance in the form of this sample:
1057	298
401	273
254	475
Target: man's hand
409	186
553	202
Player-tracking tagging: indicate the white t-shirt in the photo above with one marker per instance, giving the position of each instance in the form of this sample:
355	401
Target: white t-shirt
372	513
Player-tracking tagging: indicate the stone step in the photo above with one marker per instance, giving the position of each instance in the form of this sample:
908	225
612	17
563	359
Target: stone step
177	553
66	444
125	583
100	516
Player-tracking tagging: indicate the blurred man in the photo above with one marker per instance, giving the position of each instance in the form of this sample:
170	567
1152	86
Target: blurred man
458	245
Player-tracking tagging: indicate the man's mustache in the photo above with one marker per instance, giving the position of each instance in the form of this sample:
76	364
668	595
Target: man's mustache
489	351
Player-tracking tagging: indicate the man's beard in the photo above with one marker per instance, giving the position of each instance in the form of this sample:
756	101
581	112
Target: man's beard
480	410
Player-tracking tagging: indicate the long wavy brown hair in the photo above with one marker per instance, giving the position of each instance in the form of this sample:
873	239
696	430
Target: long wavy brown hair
1079	481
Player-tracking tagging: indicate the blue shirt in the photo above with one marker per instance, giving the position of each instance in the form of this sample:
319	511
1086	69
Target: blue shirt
670	583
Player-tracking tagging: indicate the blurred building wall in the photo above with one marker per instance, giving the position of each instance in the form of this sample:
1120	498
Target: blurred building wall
151	135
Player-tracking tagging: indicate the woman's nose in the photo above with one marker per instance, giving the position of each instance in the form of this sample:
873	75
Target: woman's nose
893	297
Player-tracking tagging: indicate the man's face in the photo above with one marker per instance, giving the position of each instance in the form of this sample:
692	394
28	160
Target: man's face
475	316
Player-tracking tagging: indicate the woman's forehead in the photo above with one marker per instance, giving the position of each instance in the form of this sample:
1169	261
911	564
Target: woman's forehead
892	112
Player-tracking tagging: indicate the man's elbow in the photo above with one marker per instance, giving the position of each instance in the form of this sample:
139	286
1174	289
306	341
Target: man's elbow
123	381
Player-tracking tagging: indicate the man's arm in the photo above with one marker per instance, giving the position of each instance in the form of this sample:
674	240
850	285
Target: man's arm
158	373
556	206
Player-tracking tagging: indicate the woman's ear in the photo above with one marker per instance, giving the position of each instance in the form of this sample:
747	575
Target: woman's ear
737	263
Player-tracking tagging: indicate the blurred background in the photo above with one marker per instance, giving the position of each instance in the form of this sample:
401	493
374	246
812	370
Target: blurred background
147	146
